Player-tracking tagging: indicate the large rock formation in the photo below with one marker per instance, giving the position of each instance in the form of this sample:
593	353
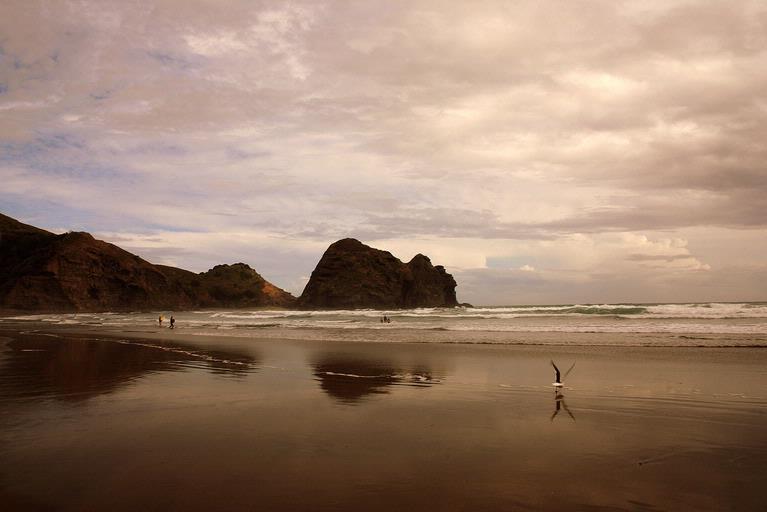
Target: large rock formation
75	272
353	275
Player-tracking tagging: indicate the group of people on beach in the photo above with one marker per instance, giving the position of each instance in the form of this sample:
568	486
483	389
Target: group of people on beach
385	319
172	321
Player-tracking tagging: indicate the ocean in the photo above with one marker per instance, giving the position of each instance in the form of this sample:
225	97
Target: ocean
693	324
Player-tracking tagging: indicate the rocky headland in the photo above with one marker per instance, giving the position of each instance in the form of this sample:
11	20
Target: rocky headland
42	271
353	275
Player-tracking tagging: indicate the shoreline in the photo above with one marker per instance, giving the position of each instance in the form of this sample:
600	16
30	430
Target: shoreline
325	339
404	335
304	423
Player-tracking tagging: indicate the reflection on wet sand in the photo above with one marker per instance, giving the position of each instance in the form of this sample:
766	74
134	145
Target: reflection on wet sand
75	369
284	438
559	403
349	379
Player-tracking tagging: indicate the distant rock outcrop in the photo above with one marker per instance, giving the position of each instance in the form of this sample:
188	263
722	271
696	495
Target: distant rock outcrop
40	270
236	286
353	275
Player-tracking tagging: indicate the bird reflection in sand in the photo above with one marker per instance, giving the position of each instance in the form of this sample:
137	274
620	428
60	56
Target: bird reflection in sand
350	379
559	404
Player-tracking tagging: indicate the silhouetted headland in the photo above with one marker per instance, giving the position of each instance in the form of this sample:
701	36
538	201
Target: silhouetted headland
354	275
42	271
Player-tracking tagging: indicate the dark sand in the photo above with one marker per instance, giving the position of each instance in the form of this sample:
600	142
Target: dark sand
98	420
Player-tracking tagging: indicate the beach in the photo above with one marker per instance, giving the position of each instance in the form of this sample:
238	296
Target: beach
427	256
99	417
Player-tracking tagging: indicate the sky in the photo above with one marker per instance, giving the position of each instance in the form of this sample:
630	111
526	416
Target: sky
543	152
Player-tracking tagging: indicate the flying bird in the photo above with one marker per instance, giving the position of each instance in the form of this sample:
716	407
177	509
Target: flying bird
559	382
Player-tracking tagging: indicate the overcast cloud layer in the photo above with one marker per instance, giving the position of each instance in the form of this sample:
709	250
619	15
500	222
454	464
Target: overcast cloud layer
544	152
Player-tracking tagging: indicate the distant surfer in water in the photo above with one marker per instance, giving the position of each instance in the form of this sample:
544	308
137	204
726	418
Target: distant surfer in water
172	322
159	320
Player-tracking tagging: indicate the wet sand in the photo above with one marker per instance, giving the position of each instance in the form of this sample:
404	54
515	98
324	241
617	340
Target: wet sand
92	419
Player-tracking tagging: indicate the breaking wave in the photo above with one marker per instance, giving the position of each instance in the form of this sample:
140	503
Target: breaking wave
695	318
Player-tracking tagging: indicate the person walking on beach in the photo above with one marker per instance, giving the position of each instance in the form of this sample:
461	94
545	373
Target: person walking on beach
172	322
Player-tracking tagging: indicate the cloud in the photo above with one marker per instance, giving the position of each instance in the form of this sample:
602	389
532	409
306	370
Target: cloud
512	287
462	126
657	257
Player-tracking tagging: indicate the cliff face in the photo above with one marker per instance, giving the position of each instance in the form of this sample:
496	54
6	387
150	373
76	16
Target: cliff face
428	285
236	286
75	272
353	275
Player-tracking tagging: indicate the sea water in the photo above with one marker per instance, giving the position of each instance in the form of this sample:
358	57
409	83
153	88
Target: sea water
706	324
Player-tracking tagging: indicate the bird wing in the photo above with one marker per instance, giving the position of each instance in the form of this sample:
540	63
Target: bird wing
569	370
555	366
